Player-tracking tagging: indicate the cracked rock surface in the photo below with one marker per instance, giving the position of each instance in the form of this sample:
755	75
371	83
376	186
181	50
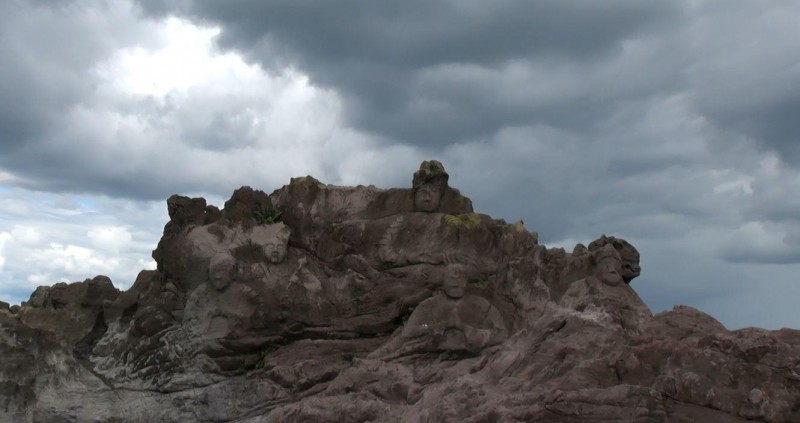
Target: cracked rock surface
320	303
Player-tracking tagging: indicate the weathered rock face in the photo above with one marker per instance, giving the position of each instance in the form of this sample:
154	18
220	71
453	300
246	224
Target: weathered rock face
320	303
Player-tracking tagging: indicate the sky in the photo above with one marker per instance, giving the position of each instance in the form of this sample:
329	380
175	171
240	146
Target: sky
670	124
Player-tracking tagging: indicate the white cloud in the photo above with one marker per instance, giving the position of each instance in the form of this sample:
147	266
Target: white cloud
72	260
43	247
146	264
183	60
6	177
38	279
4	238
26	235
13	206
112	238
185	116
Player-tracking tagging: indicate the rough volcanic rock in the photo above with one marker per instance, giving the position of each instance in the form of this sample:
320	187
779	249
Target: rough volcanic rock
320	303
73	312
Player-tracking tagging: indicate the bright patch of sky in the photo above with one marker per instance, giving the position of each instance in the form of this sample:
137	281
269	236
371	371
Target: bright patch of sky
185	59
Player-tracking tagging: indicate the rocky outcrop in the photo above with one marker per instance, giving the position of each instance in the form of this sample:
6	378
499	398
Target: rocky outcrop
355	304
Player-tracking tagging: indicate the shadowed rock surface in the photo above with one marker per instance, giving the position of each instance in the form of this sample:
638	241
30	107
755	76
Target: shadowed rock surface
320	303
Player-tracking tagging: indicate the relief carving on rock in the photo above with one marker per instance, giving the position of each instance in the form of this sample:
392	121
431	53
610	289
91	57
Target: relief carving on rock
452	321
429	185
605	293
397	305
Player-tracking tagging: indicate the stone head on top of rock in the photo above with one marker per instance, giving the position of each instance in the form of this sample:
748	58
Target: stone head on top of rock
627	253
608	265
429	185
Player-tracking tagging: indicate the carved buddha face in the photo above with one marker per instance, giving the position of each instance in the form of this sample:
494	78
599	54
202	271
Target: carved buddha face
427	197
221	271
609	271
273	239
455	281
275	251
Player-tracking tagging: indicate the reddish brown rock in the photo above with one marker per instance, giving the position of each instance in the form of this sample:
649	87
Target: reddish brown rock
74	312
355	304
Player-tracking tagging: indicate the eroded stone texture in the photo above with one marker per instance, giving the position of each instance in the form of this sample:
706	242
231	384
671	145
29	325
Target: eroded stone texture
74	312
343	304
605	294
627	253
452	321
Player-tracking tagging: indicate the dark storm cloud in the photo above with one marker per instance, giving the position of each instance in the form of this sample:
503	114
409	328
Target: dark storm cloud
71	120
32	92
49	50
746	74
385	58
738	62
787	255
775	125
670	124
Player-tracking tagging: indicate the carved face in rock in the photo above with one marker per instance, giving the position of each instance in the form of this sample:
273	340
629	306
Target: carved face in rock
630	261
221	271
427	197
275	251
273	240
455	281
609	270
627	253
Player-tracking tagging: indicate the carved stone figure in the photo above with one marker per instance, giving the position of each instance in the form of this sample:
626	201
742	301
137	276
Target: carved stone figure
214	309
605	290
609	266
427	198
429	185
626	251
221	270
453	321
273	239
212	314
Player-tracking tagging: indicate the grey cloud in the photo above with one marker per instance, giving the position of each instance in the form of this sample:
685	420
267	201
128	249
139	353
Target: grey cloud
566	185
48	53
743	254
628	118
776	200
771	123
776	125
765	243
746	74
378	55
420	34
740	71
65	127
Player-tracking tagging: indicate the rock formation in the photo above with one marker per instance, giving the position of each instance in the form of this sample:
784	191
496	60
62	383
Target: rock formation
320	303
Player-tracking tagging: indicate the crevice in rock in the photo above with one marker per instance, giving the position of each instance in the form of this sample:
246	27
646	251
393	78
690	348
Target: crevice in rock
83	348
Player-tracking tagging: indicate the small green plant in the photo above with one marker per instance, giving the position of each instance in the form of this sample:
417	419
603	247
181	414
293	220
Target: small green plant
249	252
479	282
437	292
468	220
262	359
265	216
404	319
